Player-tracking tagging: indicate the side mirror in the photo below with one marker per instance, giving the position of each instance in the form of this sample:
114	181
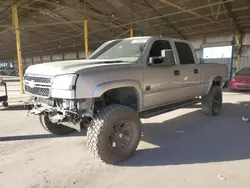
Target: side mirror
156	60
168	56
151	61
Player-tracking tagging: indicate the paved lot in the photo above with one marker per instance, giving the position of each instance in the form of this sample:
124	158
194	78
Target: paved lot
182	148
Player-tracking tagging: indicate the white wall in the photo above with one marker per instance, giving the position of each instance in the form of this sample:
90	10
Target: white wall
245	54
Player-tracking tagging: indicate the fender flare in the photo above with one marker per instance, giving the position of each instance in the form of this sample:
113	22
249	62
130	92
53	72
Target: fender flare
106	86
215	78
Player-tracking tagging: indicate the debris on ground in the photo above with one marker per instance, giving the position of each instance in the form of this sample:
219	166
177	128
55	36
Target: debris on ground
221	177
179	131
245	118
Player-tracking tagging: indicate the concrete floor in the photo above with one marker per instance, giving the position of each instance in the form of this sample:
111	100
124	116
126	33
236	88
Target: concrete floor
182	148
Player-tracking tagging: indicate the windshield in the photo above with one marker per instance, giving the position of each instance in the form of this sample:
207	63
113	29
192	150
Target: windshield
244	71
123	50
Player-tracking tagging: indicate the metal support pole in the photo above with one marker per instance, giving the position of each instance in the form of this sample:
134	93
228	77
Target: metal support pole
86	43
120	35
77	55
160	34
131	19
24	62
239	44
86	38
232	59
18	45
238	63
63	56
131	32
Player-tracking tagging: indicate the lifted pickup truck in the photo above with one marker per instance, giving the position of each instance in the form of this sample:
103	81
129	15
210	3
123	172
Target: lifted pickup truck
122	81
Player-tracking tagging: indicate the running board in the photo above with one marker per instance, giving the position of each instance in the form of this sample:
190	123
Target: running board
167	108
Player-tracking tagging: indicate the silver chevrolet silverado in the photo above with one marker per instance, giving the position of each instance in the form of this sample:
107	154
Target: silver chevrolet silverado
122	81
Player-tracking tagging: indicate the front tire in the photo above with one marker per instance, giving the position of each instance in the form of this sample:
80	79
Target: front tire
212	102
54	128
114	134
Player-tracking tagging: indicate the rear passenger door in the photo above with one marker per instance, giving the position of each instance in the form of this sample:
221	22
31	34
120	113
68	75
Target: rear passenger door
189	70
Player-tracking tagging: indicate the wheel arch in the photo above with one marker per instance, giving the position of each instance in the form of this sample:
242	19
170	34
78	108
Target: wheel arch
120	85
215	81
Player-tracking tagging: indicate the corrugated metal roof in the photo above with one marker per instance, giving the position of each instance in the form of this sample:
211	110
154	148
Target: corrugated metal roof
51	26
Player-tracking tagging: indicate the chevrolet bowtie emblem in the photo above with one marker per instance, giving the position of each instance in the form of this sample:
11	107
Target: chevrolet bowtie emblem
31	83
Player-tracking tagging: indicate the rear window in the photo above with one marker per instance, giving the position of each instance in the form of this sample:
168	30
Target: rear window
185	53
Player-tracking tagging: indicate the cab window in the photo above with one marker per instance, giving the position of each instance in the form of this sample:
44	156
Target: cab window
185	53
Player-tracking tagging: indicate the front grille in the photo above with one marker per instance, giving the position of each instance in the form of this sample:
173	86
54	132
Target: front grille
38	79
37	91
38	85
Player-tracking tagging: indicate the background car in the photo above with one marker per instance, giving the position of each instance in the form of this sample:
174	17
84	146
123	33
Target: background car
241	81
7	71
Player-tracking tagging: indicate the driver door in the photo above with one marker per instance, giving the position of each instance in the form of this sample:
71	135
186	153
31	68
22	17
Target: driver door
162	82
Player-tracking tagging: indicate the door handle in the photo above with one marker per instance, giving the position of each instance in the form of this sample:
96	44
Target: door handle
148	88
196	71
176	72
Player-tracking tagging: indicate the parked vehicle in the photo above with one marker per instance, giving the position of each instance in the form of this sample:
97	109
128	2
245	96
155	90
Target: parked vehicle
122	81
241	81
4	98
7	71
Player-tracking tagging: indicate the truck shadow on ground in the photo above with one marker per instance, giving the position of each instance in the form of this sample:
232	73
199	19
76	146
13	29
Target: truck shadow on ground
39	136
187	139
195	138
14	108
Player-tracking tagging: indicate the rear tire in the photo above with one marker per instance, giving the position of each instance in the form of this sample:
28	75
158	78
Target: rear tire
114	134
54	128
212	102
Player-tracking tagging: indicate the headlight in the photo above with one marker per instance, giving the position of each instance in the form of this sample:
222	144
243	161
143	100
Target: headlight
65	82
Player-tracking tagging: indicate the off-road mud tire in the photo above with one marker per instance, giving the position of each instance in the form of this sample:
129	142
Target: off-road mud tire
208	106
54	128
100	128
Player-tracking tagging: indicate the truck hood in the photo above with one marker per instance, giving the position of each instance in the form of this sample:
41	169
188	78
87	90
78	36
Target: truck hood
68	67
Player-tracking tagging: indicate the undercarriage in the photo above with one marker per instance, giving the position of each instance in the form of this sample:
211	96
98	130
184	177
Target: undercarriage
71	113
